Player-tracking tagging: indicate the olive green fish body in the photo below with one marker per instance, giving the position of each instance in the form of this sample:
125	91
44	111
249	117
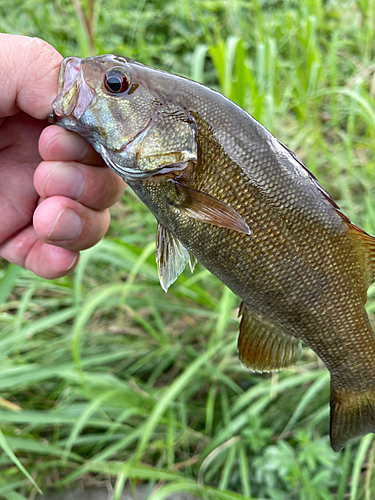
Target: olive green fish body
279	271
226	192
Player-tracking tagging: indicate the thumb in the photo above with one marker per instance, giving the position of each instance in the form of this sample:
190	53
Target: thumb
29	69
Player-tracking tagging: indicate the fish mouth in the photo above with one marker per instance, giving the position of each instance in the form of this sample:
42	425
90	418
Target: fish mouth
74	94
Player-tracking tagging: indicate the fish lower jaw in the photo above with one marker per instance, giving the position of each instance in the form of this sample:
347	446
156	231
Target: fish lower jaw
118	163
129	174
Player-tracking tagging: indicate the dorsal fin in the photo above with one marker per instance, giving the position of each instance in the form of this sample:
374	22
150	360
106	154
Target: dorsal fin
361	240
364	244
326	195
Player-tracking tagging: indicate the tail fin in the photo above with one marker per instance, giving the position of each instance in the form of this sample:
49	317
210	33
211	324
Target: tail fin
352	416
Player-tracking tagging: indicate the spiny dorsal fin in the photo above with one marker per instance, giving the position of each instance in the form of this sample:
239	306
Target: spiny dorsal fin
262	347
315	181
360	238
364	244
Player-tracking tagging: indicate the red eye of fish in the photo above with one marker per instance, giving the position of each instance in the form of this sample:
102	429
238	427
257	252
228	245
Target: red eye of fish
116	82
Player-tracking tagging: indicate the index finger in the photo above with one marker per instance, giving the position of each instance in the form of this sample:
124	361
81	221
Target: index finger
58	144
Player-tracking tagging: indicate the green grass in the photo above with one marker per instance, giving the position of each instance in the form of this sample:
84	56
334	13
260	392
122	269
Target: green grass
102	375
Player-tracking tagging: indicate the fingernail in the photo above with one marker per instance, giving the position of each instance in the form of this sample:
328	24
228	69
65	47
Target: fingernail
67	226
64	180
72	264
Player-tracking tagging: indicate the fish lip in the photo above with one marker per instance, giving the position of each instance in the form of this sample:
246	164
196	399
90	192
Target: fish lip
74	94
69	68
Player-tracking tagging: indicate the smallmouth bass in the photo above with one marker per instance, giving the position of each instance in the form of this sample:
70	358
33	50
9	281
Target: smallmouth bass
226	192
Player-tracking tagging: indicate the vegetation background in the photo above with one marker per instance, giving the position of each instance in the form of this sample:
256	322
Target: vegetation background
103	377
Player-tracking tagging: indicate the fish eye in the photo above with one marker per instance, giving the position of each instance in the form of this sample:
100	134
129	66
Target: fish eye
116	82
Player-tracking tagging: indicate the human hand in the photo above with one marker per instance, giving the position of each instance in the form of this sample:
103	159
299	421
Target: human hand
51	209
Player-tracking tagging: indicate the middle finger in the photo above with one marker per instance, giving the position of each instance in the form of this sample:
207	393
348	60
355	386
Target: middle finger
58	144
94	187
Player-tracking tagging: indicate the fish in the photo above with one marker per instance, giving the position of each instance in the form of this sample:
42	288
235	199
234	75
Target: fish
227	193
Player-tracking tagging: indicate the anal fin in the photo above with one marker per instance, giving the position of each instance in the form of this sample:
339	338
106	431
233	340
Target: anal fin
262	347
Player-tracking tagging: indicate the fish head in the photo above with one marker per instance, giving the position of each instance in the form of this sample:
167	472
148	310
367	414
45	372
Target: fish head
117	106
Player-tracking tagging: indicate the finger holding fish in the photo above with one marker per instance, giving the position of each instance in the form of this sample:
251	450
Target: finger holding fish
63	222
69	162
72	213
57	144
93	187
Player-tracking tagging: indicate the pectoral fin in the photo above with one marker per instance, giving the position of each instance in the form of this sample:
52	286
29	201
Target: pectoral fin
171	257
262	347
206	208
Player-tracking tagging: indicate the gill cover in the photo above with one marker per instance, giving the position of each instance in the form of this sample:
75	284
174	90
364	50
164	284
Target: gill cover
169	139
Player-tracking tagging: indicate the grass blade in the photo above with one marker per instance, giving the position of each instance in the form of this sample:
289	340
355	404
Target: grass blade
358	463
8	450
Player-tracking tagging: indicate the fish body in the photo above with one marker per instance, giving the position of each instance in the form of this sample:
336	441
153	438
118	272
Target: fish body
226	192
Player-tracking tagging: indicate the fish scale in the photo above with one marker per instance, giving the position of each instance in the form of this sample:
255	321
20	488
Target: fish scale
228	193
